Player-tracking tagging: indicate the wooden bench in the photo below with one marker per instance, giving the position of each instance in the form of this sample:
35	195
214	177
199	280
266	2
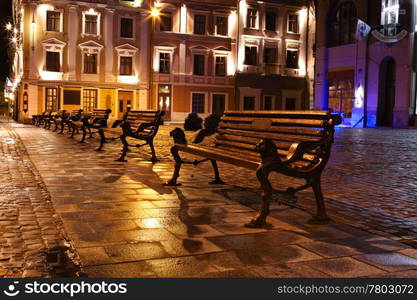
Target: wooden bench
293	143
93	120
137	124
73	116
37	120
58	118
48	119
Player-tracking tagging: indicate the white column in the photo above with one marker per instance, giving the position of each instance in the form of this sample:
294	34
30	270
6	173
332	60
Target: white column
108	44
73	33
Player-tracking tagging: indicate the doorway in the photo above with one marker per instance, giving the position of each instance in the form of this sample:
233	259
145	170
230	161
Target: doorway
164	100
386	97
125	103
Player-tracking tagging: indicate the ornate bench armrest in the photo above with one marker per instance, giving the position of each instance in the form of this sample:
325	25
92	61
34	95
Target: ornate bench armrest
143	126
179	136
297	150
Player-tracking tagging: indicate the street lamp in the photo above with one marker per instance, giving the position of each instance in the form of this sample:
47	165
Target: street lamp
154	13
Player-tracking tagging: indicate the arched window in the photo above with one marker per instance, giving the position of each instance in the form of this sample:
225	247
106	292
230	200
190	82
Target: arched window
390	10
343	25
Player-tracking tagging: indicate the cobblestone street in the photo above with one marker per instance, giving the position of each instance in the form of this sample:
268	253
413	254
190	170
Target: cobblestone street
28	226
124	223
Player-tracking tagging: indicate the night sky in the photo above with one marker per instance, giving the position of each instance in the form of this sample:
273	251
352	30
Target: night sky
5	16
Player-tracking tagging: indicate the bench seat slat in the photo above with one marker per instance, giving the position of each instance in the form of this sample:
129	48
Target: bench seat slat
270	135
279	121
276	129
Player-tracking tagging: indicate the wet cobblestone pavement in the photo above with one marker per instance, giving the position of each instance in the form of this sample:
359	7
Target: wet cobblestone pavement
124	223
28	228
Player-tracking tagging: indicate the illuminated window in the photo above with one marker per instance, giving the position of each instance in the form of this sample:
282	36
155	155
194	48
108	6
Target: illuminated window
198	103
293	26
390	16
90	63
251	18
89	100
51	101
53	63
126	28
126	65
53	20
221	25
164	62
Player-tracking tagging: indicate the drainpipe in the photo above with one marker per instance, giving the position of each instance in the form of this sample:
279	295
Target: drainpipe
365	100
237	99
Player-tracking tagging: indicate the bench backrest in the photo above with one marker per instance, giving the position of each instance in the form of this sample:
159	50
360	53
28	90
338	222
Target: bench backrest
243	130
100	113
75	114
137	117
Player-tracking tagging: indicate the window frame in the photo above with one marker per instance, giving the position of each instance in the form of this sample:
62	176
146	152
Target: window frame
85	62
95	105
217	17
130	58
296	22
56	97
275	62
292	49
195	23
120	27
252	21
275	20
216	73
169	61
91	12
166	15
59	64
205	102
60	12
203	66
256	56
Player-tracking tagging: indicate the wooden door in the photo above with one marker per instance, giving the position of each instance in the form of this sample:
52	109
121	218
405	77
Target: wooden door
125	102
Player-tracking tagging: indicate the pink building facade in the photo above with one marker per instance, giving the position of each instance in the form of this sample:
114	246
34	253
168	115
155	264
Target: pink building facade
368	75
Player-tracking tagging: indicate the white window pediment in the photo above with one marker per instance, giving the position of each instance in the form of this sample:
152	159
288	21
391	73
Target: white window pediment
165	48
200	49
90	47
126	50
221	51
54	45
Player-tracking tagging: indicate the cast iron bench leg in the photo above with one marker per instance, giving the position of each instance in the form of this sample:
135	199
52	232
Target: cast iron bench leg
178	163
259	220
102	140
217	179
321	216
154	159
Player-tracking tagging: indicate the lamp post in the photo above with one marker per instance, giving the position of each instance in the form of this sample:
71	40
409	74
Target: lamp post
154	14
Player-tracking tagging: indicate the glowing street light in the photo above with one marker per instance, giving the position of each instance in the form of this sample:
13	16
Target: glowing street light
9	26
155	12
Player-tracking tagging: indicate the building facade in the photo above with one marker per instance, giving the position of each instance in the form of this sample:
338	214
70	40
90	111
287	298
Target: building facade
367	72
275	55
178	56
